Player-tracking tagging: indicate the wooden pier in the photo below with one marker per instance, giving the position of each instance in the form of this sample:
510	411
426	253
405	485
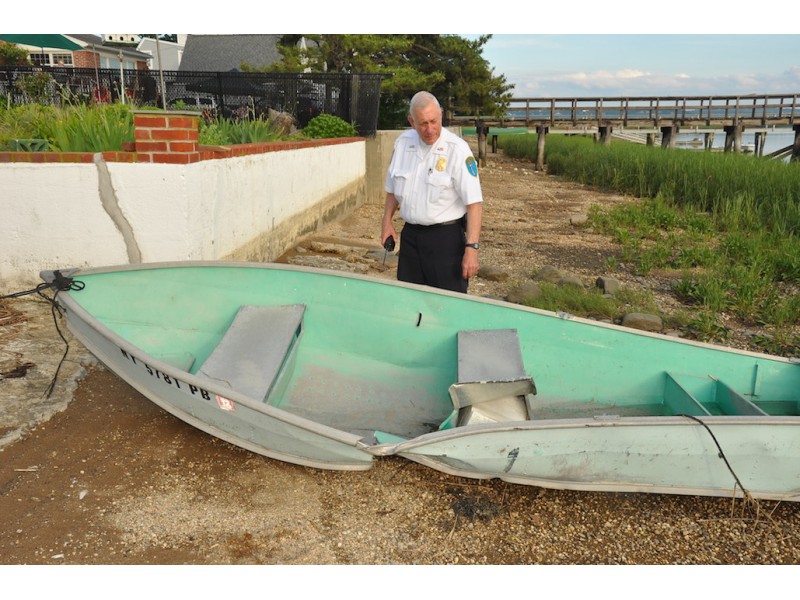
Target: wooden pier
661	114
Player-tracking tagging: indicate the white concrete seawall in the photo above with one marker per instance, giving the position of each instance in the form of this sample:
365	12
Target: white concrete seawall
253	207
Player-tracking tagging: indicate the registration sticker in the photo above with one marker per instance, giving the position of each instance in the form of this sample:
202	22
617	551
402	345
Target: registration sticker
472	166
225	404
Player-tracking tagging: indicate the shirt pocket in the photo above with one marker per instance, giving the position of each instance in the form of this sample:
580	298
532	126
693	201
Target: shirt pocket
437	183
400	185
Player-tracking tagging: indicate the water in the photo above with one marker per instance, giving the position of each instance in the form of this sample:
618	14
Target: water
777	138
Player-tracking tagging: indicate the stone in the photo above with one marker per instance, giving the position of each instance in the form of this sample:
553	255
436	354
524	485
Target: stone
570	280
491	273
548	273
327	248
578	220
282	121
329	262
523	294
609	285
643	321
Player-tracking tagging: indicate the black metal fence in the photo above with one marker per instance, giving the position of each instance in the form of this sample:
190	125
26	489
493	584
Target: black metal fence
354	97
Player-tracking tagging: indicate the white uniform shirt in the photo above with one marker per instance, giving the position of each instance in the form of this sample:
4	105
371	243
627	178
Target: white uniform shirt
432	184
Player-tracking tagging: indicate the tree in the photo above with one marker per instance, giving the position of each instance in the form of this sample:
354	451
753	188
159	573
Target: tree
449	66
11	54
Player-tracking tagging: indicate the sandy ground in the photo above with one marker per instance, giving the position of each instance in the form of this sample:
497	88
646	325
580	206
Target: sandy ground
98	475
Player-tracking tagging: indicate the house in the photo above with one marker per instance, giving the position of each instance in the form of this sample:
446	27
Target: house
77	50
170	53
227	52
107	54
48	49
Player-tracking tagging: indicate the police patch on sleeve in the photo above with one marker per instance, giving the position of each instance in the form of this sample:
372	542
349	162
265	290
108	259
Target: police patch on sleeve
472	166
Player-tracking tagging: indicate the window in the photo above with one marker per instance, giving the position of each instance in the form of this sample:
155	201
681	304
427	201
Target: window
39	59
62	60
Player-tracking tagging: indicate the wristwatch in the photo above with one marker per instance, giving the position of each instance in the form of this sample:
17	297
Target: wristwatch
475	245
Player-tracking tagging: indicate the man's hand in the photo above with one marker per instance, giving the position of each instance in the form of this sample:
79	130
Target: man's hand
469	264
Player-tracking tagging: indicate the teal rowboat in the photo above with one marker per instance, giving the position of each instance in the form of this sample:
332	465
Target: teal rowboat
331	370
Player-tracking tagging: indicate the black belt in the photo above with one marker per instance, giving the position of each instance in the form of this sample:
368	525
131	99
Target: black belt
445	224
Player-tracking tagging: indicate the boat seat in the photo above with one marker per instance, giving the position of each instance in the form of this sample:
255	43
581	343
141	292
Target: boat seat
254	350
703	395
492	383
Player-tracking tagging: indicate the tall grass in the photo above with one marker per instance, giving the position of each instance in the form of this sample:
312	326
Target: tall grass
728	223
740	188
91	129
81	128
226	131
77	128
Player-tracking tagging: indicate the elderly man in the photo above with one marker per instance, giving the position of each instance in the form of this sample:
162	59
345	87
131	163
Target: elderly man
433	180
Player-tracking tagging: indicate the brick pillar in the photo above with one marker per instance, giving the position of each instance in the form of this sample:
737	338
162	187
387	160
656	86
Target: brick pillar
166	137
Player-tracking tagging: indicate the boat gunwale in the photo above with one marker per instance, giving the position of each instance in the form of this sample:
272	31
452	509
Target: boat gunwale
445	435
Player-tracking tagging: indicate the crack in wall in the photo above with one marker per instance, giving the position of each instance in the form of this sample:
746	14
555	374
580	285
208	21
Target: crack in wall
110	203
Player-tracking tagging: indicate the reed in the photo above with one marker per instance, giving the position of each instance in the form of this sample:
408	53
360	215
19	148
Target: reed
766	192
730	224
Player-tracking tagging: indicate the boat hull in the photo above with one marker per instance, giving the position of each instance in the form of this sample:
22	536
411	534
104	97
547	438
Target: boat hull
377	368
665	455
212	409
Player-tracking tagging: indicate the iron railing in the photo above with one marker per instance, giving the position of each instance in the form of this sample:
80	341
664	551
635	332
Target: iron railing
354	97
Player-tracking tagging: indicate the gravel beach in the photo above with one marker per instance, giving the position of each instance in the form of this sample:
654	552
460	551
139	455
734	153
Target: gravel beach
98	475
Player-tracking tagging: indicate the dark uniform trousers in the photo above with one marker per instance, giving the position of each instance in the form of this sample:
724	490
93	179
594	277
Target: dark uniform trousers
432	254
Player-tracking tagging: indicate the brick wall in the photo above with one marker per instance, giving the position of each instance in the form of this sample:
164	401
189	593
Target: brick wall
166	137
85	59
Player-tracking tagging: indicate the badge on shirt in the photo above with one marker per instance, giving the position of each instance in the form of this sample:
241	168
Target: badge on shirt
472	166
441	164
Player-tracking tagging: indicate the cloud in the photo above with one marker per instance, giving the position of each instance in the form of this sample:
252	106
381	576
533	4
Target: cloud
636	82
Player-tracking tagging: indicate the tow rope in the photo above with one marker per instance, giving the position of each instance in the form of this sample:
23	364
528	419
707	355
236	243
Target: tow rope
60	283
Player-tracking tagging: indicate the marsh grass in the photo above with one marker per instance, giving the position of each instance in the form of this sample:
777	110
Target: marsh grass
592	303
730	224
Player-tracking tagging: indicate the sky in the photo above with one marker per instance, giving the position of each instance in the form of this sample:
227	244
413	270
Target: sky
575	65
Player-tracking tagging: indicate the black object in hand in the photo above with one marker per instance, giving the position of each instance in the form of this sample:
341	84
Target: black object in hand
388	245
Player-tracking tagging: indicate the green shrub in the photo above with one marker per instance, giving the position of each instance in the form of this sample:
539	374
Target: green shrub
37	86
11	54
328	126
24	122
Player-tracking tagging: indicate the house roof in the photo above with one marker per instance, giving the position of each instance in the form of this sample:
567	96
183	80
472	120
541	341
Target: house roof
87	39
228	52
40	40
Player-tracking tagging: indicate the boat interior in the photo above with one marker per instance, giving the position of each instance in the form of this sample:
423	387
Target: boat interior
384	402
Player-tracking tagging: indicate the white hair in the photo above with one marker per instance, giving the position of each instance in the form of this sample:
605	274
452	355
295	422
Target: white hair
421	100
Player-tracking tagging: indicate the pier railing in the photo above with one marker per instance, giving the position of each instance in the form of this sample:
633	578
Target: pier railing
667	113
657	111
